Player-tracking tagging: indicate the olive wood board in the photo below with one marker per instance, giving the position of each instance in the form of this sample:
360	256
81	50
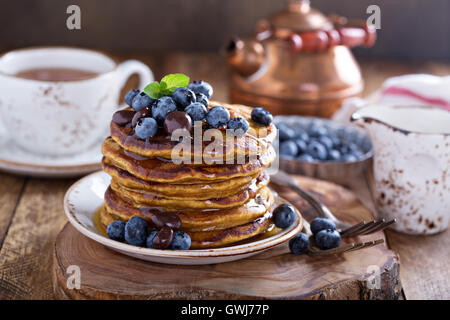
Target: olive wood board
371	273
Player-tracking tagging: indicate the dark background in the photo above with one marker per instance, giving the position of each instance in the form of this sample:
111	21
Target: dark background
410	29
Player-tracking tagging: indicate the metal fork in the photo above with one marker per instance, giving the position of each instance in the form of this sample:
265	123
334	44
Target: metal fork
314	250
346	230
363	228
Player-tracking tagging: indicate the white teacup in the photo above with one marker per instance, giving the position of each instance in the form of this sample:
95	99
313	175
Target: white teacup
62	117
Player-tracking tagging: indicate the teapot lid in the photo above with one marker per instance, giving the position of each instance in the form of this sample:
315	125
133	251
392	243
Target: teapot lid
298	16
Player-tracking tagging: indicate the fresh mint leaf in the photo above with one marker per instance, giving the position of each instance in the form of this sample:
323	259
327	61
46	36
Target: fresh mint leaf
175	80
153	90
167	86
162	86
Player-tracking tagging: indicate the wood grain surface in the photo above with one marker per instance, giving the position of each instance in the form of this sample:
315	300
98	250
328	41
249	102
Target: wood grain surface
274	274
425	264
26	252
26	244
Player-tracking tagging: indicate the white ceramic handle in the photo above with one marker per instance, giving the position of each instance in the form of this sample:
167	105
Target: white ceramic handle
130	67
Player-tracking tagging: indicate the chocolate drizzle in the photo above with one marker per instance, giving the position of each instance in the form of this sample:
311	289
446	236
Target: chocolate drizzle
166	223
144	112
163	238
168	219
135	156
123	117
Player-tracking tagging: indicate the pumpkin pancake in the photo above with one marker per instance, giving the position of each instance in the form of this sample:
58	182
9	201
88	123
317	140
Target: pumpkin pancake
143	197
217	194
226	237
191	220
165	171
198	191
218	237
256	141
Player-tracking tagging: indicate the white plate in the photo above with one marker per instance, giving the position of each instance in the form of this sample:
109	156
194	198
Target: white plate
86	195
18	161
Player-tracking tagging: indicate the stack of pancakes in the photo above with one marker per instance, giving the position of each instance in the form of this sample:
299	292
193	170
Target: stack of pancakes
216	204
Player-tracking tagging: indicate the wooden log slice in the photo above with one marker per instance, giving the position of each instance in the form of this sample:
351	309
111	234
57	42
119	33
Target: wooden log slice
372	273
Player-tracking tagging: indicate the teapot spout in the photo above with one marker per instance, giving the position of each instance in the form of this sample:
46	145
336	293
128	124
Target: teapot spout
245	56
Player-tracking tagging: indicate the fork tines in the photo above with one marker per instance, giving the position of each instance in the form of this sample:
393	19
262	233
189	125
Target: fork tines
363	228
314	251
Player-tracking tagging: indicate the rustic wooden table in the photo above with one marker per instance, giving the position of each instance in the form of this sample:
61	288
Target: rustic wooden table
31	213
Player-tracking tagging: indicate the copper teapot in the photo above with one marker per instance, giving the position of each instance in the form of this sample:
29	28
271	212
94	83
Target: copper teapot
298	62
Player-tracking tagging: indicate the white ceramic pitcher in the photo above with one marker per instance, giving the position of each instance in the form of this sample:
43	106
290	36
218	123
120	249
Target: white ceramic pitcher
411	165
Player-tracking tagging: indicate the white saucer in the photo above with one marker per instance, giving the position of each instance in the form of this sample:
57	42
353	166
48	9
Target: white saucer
86	195
15	160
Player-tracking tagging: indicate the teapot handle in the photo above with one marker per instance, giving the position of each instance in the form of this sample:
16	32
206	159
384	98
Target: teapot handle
356	34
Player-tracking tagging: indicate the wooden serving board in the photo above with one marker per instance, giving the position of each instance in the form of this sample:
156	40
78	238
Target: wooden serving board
274	274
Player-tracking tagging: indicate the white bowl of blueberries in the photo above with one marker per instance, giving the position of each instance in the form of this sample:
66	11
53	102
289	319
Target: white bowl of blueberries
322	148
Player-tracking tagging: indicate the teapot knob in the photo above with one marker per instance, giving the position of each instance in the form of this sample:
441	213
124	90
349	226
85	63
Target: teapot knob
298	5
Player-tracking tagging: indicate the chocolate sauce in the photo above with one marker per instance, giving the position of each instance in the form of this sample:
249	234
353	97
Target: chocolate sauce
177	120
144	112
123	117
163	238
135	156
168	219
160	218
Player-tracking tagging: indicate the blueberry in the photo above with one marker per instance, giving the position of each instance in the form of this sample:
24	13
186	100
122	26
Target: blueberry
349	158
146	128
288	148
183	97
181	241
262	116
130	95
284	216
116	230
350	136
335	139
344	149
196	111
334	155
352	147
201	87
306	158
358	154
285	133
299	244
203	99
319	224
162	108
326	141
218	117
328	239
238	125
317	130
317	150
302	146
136	231
301	134
343	133
149	241
141	100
